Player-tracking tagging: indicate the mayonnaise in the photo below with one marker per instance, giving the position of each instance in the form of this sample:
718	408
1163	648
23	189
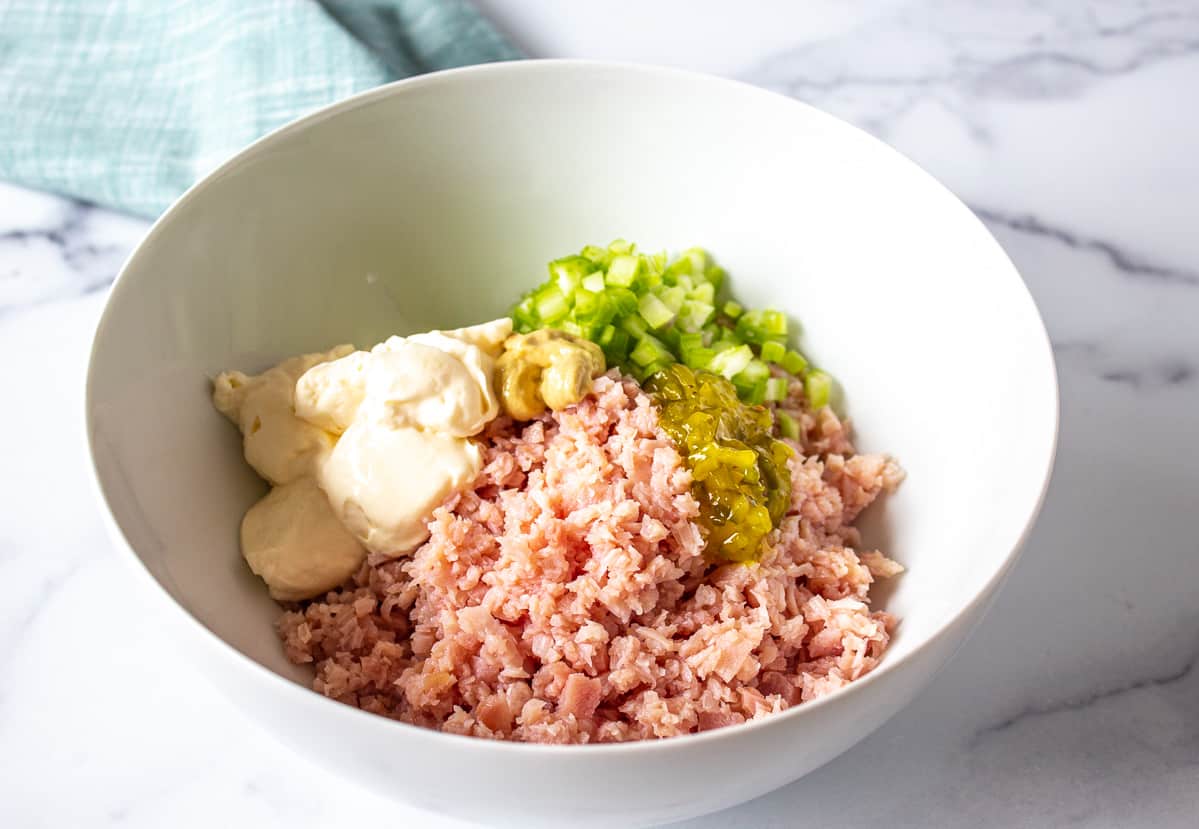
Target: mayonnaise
294	542
280	446
404	412
290	538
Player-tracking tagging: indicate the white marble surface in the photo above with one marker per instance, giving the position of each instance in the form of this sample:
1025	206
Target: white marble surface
1070	127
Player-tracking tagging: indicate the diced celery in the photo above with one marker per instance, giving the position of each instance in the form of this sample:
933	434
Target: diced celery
569	271
616	296
524	316
716	275
755	395
698	357
594	281
657	261
586	303
591	330
670	336
623	271
551	305
794	362
703	293
776	389
654	311
754	372
749	327
649	279
658	365
774	323
623	300
694	315
617	351
649	350
604	312
818	388
679	267
597	255
672	297
730	362
635	325
698	257
773	352
788	425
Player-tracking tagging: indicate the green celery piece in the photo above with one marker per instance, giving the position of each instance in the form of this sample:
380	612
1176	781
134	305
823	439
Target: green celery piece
698	259
754	372
656	261
599	256
594	282
694	315
586	304
698	357
716	275
672	297
654	311
617	351
623	270
670	336
635	325
773	352
730	362
551	304
818	388
623	300
774	323
569	271
649	350
776	389
788	425
794	363
704	293
756	394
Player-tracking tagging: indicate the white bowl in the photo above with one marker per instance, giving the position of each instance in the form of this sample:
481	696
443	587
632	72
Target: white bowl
433	203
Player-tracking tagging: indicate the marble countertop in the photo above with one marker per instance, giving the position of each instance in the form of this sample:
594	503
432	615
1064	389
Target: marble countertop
1069	127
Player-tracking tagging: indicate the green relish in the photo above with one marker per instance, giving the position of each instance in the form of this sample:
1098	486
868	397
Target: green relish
738	469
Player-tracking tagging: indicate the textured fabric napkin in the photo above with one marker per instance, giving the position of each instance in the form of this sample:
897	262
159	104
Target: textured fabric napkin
128	102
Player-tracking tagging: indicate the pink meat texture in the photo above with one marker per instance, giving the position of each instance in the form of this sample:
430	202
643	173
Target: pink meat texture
566	598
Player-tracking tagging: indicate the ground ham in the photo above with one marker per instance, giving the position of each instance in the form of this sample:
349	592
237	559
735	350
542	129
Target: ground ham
565	598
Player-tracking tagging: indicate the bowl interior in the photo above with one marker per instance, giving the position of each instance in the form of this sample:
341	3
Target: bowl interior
436	202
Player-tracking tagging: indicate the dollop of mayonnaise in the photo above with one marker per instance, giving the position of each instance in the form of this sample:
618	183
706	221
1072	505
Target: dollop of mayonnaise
280	446
403	414
291	538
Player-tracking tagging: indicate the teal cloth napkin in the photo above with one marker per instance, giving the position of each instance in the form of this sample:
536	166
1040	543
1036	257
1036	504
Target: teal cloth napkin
126	103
